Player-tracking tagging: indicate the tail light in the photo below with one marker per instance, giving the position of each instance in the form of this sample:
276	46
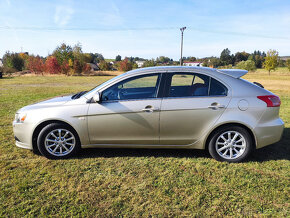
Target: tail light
270	100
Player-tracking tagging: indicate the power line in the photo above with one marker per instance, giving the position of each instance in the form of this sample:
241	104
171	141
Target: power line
141	29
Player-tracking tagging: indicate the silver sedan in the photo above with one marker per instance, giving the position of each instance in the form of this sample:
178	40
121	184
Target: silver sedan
159	107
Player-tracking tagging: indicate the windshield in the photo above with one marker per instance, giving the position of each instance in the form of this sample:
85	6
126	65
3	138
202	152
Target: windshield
104	84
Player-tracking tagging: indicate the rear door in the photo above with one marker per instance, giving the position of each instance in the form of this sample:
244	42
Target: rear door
191	105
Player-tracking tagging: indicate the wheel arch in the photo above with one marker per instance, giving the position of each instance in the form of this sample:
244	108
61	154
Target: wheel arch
249	130
40	126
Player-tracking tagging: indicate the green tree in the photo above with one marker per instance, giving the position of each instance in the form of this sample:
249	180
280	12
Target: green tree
104	65
215	62
241	56
118	58
288	64
63	53
149	63
248	65
12	62
97	58
163	60
226	57
78	53
271	60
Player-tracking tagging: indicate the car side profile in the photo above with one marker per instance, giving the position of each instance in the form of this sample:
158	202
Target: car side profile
157	107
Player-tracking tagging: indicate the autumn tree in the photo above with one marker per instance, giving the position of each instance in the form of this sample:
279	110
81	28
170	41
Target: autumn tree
35	64
52	66
271	60
125	65
77	67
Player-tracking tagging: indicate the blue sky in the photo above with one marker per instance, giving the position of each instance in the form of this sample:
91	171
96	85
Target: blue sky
147	28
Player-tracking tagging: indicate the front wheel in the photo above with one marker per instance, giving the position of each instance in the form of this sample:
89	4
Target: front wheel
231	144
58	141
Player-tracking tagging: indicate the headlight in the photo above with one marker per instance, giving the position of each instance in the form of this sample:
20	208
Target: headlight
20	117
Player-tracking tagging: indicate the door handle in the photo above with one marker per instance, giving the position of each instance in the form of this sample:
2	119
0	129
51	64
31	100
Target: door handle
149	109
216	106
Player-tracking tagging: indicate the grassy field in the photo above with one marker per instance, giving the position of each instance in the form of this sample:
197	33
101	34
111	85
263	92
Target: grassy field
131	182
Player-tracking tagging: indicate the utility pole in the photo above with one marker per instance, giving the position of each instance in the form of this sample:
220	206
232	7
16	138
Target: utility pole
182	30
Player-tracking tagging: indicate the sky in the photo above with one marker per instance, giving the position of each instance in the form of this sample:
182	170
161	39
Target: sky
145	28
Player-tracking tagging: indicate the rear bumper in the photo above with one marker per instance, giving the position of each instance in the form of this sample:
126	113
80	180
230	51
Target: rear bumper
269	132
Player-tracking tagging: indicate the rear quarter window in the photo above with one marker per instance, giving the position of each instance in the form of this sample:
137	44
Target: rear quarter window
217	88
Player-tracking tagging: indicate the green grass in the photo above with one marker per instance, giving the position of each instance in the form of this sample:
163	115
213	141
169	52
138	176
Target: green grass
132	182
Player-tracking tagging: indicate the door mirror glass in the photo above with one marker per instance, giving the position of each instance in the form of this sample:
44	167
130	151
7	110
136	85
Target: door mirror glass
96	97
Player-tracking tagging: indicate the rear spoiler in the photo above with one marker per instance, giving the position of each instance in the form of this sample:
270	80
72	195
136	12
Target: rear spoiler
236	73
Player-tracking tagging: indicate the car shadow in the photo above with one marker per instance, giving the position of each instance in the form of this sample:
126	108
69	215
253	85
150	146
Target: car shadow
277	151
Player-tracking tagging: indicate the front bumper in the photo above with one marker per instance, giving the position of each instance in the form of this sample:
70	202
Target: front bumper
23	135
269	132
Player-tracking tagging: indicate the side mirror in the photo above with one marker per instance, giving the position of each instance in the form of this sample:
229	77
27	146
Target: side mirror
97	97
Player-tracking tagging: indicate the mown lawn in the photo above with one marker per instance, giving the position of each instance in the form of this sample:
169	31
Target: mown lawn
132	182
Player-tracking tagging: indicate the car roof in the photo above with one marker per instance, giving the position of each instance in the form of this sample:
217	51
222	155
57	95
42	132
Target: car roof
236	73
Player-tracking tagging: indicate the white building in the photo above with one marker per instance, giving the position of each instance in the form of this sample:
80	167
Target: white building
140	63
1	63
193	64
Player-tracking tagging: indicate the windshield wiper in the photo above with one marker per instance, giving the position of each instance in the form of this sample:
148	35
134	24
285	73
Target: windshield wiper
78	95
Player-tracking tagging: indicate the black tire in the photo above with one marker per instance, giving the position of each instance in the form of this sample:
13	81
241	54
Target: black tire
47	152
247	143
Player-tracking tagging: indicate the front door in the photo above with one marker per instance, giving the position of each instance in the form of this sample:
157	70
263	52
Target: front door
128	113
192	104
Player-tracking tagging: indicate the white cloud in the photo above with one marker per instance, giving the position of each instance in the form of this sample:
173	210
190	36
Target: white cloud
63	15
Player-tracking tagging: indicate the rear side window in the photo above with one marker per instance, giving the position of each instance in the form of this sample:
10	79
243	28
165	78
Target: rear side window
188	84
217	88
193	84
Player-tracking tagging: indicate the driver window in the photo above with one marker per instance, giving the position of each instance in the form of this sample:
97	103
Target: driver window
139	87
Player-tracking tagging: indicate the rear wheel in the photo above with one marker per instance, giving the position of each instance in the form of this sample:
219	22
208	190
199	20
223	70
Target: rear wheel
58	141
231	144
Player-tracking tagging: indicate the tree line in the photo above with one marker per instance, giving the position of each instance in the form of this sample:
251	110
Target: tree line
71	60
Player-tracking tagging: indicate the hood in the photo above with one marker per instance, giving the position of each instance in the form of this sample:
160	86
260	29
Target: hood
53	102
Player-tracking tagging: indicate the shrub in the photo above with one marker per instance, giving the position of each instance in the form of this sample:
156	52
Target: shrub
52	66
247	65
